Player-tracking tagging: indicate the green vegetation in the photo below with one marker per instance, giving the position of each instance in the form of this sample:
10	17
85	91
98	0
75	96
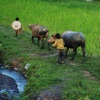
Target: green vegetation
43	72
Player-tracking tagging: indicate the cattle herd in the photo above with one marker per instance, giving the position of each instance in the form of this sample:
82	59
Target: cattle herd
71	39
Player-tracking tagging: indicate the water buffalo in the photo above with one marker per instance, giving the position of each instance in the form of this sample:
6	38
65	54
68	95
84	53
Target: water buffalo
72	40
39	32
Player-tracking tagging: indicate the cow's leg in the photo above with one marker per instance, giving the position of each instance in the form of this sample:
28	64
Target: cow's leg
42	45
38	41
33	39
66	52
49	46
83	51
75	52
42	40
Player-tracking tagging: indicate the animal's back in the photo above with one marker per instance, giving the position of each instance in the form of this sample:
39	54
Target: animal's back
38	30
73	36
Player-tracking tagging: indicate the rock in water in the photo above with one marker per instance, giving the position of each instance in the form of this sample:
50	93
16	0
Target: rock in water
8	86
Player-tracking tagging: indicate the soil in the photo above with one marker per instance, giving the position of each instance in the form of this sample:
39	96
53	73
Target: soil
88	75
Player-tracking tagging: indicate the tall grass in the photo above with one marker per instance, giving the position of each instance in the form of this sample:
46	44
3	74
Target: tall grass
57	16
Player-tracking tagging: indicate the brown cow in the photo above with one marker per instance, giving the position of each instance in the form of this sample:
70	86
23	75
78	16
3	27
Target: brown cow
39	32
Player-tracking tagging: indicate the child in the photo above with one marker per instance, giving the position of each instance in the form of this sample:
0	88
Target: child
17	26
59	44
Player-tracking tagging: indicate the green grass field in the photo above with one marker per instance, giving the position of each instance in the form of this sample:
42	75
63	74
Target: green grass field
58	17
76	15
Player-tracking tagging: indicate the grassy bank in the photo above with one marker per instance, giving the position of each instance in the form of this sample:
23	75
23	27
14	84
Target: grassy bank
80	80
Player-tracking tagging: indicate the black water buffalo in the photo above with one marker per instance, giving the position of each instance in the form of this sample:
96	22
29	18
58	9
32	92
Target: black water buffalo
39	32
72	40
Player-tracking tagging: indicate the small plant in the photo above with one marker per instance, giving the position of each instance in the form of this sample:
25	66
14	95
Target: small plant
0	45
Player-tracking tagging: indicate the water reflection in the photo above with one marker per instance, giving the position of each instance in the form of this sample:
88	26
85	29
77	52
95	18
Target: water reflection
20	80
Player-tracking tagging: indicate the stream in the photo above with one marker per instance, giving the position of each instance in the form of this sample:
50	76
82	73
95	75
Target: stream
13	82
